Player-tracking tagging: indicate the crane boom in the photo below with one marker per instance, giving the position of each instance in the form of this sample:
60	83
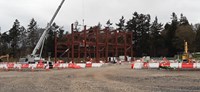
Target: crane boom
42	38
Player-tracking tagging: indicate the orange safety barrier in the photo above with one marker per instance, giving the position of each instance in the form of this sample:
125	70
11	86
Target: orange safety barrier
40	65
165	64
10	65
76	66
187	65
25	66
132	66
71	65
88	64
56	65
145	65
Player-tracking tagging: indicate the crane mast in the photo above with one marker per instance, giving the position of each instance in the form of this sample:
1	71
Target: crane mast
33	57
44	34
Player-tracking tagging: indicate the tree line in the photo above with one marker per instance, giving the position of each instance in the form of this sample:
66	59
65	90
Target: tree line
150	37
20	41
157	39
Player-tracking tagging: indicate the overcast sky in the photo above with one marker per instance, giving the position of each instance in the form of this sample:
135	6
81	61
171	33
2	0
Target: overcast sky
92	11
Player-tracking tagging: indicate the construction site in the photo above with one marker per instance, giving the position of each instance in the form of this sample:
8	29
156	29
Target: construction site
100	45
97	59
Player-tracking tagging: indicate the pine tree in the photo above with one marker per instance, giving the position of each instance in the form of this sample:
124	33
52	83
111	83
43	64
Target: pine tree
156	40
183	20
33	35
5	40
170	35
121	24
139	25
14	34
99	25
22	42
197	37
108	23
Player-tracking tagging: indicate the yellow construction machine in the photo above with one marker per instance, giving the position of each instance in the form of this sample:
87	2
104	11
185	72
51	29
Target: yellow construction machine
5	56
185	56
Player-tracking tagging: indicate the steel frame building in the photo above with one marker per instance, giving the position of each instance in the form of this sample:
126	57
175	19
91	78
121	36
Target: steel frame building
96	43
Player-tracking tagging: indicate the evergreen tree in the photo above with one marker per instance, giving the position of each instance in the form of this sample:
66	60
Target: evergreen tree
139	25
170	35
99	25
184	32
121	24
183	20
49	42
33	35
197	38
22	42
156	40
5	40
14	34
108	23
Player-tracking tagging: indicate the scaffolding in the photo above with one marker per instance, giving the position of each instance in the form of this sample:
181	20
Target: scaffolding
98	44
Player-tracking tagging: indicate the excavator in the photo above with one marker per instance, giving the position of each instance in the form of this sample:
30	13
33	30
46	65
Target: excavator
4	56
185	56
34	57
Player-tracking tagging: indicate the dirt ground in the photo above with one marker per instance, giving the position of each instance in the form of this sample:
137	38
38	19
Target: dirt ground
109	78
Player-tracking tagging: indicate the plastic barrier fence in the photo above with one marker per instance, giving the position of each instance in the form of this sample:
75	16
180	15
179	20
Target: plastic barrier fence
142	65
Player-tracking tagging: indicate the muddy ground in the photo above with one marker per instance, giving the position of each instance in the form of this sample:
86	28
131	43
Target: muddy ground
109	78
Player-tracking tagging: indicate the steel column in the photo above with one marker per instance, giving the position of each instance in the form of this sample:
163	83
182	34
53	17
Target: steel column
72	44
55	48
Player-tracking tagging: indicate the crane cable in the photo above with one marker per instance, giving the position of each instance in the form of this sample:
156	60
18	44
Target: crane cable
83	12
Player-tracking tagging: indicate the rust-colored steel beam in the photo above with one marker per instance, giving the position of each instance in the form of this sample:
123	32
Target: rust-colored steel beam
116	43
85	43
98	43
106	44
72	44
125	47
55	48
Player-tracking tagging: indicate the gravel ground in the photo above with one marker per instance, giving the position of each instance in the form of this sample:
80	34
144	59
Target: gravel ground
109	78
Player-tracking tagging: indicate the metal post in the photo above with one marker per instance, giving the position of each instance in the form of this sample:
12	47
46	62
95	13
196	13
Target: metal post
106	45
97	42
55	43
125	46
79	51
72	52
116	43
85	53
131	44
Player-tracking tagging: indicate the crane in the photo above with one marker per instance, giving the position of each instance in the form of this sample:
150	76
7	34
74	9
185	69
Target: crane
33	57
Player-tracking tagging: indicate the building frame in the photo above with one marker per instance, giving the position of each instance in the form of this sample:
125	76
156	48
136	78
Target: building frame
98	44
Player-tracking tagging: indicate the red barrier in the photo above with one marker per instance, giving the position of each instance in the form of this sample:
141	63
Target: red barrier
10	65
76	66
132	66
40	65
145	65
165	64
56	65
187	65
88	64
71	65
25	66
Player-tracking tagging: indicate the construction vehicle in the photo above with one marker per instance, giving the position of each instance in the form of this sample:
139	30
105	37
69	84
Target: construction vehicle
5	56
34	57
185	56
